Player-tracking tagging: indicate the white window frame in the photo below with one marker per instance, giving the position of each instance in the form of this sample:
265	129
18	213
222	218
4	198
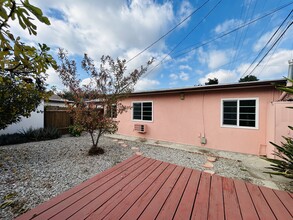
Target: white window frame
141	120
112	112
238	108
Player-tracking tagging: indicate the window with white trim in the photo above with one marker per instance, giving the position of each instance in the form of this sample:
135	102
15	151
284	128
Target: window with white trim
240	112
142	111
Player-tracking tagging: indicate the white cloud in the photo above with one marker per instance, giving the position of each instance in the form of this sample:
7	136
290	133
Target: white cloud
185	67
272	67
146	84
53	79
185	9
183	76
103	27
173	76
224	76
214	58
217	58
262	41
227	25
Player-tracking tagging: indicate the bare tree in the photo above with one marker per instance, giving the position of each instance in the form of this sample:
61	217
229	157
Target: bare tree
94	102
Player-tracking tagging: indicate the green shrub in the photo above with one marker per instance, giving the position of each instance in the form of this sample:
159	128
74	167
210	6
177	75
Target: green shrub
16	138
40	134
75	130
284	165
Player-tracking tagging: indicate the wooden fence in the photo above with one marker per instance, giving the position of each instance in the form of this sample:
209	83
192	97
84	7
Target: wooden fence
59	119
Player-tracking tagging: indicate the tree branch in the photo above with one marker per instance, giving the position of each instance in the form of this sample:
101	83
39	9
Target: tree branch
10	15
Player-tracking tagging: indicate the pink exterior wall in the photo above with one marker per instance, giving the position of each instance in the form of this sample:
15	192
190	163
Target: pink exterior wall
199	114
279	118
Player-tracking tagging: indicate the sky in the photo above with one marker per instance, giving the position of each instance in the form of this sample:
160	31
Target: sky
205	45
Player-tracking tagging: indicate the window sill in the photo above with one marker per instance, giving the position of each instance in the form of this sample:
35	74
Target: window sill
239	127
142	121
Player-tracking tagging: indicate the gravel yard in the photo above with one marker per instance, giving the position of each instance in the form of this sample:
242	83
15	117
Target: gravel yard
32	173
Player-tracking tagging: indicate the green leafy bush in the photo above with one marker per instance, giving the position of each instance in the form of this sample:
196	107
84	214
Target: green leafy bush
16	138
75	130
29	135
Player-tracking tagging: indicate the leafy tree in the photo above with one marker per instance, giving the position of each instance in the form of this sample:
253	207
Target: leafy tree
66	95
109	85
283	164
22	67
248	78
212	81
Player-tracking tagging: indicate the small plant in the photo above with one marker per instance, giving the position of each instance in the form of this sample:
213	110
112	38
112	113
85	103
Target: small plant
75	130
16	138
284	165
40	134
142	140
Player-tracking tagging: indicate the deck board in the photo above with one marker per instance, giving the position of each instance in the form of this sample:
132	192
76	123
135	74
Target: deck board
245	201
170	206
263	209
201	205
185	207
154	207
144	188
216	209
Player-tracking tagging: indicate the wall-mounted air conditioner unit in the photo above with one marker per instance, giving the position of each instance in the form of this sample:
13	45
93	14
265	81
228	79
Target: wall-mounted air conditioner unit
140	128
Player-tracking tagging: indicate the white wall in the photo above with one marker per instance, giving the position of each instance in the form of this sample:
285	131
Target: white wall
36	120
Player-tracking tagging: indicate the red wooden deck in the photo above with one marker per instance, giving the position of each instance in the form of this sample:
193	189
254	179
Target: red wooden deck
143	188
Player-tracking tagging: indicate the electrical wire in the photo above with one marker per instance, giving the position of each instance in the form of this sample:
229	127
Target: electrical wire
171	30
233	30
186	36
277	40
261	51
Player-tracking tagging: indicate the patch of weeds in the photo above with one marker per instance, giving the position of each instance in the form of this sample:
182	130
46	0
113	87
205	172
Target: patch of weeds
142	140
116	162
204	151
17	206
247	179
157	142
86	170
47	185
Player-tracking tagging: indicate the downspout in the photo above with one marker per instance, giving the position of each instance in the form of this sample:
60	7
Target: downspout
290	76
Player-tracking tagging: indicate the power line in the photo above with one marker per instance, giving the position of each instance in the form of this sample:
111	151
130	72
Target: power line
231	31
186	36
244	32
236	29
171	30
260	52
271	48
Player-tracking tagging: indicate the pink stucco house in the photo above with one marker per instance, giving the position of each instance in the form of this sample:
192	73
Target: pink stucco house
240	117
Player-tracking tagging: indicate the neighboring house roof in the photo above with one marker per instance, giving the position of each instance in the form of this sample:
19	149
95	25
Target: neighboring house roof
56	98
206	88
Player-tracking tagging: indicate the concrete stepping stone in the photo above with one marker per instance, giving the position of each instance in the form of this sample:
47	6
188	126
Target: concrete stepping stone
138	153
208	165
134	148
124	145
212	159
209	171
120	142
115	140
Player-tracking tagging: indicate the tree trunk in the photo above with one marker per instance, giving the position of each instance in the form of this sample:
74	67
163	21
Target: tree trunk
95	150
